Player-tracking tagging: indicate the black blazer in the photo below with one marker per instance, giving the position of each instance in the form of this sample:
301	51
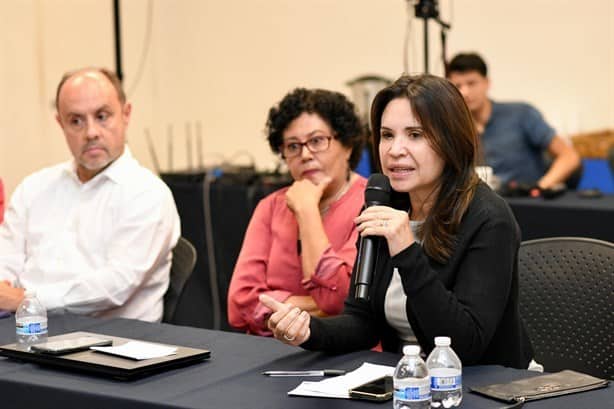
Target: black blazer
473	298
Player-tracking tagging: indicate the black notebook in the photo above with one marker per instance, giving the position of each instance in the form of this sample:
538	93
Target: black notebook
107	365
540	387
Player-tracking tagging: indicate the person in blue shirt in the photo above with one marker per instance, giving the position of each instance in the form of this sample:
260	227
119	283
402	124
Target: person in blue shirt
514	136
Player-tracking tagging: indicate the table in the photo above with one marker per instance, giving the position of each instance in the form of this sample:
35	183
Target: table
566	215
230	379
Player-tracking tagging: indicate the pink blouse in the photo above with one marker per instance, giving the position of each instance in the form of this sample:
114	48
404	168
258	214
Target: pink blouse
270	262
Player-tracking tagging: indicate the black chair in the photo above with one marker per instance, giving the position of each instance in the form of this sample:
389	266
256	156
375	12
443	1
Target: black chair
184	260
566	287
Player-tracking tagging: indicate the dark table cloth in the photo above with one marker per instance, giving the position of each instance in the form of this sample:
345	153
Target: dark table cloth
230	379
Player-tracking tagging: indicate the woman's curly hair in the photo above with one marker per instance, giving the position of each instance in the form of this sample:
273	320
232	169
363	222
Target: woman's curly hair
333	107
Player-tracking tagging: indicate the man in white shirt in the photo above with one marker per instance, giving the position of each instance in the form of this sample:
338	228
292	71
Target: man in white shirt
93	235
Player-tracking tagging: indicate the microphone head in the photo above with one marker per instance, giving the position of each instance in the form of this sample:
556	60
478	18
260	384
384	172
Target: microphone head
377	192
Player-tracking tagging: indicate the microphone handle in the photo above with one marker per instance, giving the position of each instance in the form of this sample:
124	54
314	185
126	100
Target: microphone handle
366	261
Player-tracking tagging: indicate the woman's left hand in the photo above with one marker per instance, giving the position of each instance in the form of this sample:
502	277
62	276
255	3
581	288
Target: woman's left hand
389	223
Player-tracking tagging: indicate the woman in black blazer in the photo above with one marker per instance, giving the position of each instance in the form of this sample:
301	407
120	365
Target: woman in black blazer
446	262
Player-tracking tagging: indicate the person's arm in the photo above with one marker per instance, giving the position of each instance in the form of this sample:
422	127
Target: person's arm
356	328
303	199
566	161
249	278
471	311
305	303
13	247
142	237
542	136
329	283
314	244
314	240
326	269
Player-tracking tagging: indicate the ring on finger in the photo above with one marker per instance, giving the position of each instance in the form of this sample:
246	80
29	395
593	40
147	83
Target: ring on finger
290	339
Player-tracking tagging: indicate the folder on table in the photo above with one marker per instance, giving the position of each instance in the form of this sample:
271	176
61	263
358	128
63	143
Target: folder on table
108	365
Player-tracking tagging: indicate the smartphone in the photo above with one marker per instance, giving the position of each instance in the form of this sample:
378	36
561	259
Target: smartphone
67	346
378	390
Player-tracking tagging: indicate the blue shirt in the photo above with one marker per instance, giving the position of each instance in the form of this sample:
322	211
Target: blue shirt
514	140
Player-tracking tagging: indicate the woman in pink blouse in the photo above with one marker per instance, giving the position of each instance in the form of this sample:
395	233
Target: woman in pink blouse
300	244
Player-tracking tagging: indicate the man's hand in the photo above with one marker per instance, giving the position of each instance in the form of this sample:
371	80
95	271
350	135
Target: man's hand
289	324
10	297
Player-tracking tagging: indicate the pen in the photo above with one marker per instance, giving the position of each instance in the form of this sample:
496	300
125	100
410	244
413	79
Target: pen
323	372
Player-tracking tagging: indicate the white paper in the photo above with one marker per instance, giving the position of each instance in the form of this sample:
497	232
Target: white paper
139	350
339	386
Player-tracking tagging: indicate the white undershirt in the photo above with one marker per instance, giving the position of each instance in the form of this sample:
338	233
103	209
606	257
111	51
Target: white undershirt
395	301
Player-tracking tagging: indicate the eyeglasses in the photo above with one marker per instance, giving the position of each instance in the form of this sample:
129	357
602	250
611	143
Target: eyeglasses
314	145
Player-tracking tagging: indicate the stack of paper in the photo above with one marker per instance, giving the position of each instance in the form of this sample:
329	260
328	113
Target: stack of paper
138	350
339	386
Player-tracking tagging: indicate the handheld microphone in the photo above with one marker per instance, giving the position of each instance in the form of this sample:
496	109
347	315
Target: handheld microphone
377	193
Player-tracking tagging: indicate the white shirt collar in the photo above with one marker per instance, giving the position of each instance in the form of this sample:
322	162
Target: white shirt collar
115	172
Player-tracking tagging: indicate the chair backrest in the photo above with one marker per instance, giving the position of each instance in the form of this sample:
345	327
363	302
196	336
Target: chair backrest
184	260
566	286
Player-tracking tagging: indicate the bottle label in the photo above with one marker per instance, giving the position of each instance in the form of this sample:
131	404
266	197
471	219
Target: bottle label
413	393
446	383
31	328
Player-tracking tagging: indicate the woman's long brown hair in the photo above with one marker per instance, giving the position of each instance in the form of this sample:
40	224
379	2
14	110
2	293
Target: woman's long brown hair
449	128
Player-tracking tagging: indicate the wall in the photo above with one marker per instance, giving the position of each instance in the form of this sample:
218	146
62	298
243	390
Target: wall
217	66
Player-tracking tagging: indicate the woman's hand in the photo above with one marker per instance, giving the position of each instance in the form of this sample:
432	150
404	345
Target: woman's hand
304	194
389	223
289	324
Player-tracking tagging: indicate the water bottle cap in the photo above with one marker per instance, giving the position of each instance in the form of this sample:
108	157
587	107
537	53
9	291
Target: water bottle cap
442	341
411	349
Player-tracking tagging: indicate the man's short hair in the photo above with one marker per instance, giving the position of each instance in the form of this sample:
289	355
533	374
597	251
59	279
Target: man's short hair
465	62
110	75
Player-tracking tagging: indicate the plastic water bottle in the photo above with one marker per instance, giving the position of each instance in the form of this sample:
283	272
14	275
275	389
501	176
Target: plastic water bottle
412	386
446	375
30	321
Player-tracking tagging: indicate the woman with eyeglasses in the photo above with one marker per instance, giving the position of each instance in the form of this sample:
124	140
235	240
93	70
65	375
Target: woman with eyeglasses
300	245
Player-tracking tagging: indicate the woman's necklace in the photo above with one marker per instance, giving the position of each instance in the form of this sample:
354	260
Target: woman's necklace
340	192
